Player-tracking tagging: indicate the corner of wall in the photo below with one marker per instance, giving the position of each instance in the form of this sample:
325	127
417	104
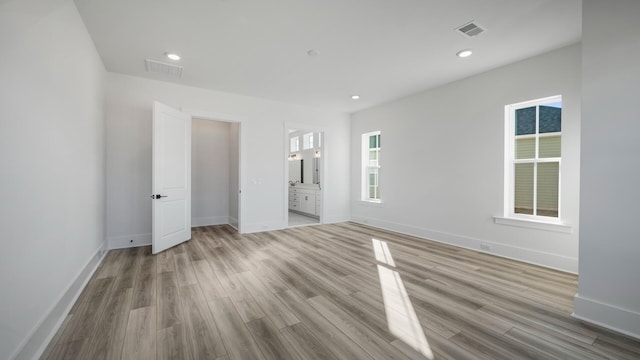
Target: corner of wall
606	315
35	344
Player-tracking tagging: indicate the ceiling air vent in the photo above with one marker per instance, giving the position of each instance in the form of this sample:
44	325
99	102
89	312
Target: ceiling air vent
470	29
162	68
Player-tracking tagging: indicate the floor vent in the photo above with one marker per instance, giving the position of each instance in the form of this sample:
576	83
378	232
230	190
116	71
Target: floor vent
470	29
162	68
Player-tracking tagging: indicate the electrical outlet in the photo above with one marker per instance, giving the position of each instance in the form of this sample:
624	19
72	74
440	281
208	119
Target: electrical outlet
485	247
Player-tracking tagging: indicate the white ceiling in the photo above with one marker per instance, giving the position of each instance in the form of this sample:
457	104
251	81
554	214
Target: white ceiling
379	49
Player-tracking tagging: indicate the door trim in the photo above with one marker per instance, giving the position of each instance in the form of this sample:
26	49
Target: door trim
323	167
230	118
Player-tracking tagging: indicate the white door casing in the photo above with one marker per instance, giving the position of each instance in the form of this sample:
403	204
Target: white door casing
171	180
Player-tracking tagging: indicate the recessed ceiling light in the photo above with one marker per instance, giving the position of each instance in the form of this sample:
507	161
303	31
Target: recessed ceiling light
355	97
172	56
464	53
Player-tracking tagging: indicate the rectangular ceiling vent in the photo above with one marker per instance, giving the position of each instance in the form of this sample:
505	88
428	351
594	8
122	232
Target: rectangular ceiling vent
470	29
162	68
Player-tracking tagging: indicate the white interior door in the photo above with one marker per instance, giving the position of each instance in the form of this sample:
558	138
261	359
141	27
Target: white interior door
171	209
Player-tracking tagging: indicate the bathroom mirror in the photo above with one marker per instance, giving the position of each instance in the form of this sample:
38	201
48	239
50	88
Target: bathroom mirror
295	171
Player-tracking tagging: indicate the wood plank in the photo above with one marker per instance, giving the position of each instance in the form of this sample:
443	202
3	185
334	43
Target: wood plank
112	263
269	339
169	308
165	261
272	307
322	329
371	342
244	302
172	343
305	344
211	286
184	270
144	291
108	335
140	339
236	337
202	335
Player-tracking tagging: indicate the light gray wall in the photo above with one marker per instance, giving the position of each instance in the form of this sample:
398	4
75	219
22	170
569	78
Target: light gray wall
609	285
128	117
210	165
234	168
442	160
52	213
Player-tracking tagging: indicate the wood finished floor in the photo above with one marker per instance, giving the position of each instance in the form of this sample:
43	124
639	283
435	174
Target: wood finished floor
315	293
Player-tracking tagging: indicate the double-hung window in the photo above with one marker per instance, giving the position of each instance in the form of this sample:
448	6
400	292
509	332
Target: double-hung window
371	167
533	159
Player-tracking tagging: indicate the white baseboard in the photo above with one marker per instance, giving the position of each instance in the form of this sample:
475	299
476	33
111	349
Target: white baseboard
34	345
127	241
332	219
211	220
549	260
233	222
606	315
260	227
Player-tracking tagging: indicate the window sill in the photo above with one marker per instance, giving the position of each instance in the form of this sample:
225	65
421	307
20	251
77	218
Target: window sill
371	203
534	224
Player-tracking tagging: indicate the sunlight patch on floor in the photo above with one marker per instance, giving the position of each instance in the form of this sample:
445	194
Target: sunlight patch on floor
401	316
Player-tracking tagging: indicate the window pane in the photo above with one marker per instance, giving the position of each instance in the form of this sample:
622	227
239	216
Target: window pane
374	141
523	189
295	144
307	141
547	202
549	146
526	121
550	119
372	174
525	148
373	157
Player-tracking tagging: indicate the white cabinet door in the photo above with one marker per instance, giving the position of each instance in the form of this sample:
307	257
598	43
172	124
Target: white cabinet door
308	203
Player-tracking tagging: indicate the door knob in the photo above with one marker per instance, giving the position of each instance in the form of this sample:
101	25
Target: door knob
158	196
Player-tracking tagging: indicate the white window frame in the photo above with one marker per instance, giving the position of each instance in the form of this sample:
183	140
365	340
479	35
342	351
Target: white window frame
366	166
510	161
294	144
307	141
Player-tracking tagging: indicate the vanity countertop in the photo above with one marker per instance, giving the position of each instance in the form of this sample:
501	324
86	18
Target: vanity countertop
305	186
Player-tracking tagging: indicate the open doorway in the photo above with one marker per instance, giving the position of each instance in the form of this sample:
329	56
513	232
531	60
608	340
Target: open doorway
304	174
215	160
